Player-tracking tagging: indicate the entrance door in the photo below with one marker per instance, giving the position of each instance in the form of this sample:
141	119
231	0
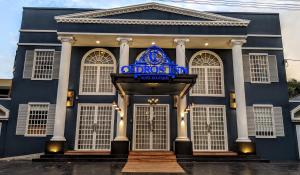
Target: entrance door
94	127
209	131
151	127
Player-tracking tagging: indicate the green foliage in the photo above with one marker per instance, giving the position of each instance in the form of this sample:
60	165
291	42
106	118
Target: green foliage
293	87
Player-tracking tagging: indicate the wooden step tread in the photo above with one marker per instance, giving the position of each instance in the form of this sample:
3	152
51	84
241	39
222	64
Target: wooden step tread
87	153
227	153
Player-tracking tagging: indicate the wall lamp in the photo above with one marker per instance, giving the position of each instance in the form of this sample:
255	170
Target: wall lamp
232	100
70	98
117	108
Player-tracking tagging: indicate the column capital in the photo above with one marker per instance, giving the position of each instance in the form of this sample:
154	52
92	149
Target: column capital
124	39
181	40
240	42
66	39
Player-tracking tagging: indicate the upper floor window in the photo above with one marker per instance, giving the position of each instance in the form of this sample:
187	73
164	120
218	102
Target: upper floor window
259	68
43	64
96	67
209	68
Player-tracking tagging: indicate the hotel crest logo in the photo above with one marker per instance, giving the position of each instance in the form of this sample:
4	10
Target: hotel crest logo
154	64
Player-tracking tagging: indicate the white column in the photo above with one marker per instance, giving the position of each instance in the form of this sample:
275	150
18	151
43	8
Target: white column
241	113
181	104
298	138
123	102
63	83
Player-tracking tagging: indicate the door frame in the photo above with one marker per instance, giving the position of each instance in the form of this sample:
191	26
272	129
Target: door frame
225	127
134	127
78	122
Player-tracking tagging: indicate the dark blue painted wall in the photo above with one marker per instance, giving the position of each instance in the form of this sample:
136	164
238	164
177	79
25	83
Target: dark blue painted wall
6	104
25	91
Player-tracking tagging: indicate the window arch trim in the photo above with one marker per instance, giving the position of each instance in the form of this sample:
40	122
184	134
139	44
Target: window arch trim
97	65
293	112
6	111
206	82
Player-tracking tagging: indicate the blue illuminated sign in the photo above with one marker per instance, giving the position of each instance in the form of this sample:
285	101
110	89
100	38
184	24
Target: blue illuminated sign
154	64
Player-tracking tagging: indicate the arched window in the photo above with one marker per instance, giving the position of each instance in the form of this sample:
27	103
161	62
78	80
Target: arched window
209	68
96	67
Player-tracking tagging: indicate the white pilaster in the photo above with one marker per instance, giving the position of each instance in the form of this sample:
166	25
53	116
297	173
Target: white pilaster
123	102
181	104
63	82
241	113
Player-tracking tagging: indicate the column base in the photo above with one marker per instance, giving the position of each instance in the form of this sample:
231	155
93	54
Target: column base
58	138
183	147
119	147
245	139
55	147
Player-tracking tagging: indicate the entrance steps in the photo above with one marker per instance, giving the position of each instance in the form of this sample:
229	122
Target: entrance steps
152	162
138	156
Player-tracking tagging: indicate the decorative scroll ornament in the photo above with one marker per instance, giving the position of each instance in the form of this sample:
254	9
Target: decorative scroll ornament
154	64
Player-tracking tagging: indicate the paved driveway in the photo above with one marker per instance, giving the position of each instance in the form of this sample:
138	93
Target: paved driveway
92	168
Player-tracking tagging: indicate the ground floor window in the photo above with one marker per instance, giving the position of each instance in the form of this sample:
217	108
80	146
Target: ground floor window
37	119
264	121
94	127
208	126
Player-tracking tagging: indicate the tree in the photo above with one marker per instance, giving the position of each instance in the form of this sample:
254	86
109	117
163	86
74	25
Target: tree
293	87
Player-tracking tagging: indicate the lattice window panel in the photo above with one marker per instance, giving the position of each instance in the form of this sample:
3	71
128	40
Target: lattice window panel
142	128
37	119
43	65
96	70
210	75
160	136
264	123
209	128
259	68
85	130
95	127
151	127
104	127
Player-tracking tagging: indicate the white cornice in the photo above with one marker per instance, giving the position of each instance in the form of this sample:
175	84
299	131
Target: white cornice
150	22
37	31
39	44
93	16
262	48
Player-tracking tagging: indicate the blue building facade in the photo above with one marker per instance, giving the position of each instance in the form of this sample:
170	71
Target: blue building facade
64	91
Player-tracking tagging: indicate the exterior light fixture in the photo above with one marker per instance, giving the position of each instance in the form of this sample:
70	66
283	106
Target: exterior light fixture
114	104
70	98
205	44
54	147
153	43
232	100
97	42
246	148
153	101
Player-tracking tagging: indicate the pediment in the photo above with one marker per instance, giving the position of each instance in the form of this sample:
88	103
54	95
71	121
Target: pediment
152	14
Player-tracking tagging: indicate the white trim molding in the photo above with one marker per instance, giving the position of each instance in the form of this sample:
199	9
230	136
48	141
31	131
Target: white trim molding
40	44
6	111
94	16
262	48
37	31
293	112
264	35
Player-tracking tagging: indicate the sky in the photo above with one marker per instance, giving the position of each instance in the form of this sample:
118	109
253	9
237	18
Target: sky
11	14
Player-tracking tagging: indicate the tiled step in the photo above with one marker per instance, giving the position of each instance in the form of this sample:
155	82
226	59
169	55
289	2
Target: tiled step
216	154
137	156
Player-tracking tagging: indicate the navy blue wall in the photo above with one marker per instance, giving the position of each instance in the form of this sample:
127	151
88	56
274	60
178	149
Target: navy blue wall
24	91
6	104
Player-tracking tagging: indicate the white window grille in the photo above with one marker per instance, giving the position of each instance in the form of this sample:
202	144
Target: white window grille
37	119
94	127
43	64
96	67
209	68
209	130
259	68
264	121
